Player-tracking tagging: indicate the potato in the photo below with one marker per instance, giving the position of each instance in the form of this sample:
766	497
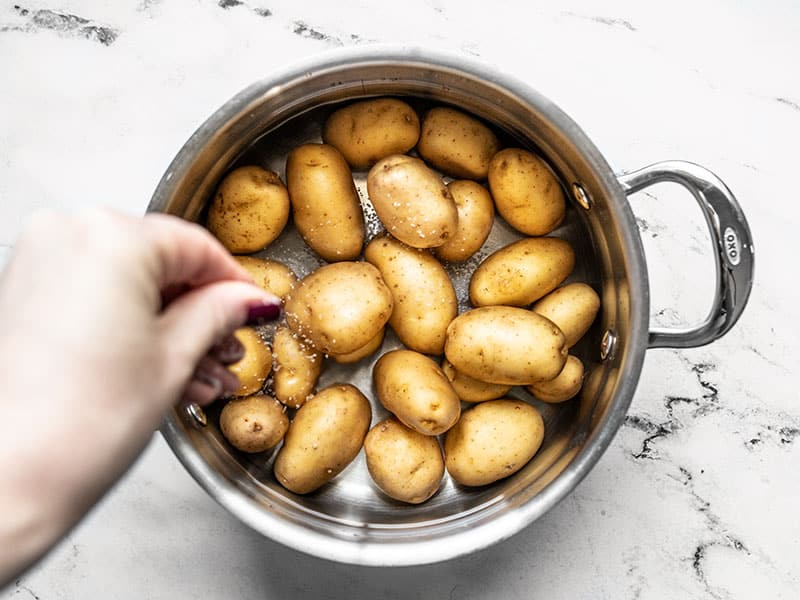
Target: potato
249	211
475	219
521	272
297	368
526	192
424	299
356	355
469	389
271	275
325	436
493	440
367	131
403	463
412	387
564	386
325	204
254	423
256	364
573	307
339	307
456	143
506	345
412	202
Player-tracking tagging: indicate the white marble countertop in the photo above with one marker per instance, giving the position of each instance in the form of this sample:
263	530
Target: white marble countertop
696	498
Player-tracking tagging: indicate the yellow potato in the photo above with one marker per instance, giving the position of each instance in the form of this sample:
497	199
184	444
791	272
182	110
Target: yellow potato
367	131
325	204
521	272
526	192
254	423
572	307
325	436
405	464
472	390
297	368
506	345
249	211
256	364
413	387
424	299
456	143
475	219
412	202
340	307
493	440
564	386
356	355
270	275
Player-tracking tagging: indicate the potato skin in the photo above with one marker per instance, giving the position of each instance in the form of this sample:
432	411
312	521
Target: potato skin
521	272
256	364
573	307
297	368
506	345
525	191
412	202
254	423
472	390
475	219
565	386
356	355
424	298
325	436
493	440
325	204
249	210
270	275
412	387
456	143
367	131
339	307
403	463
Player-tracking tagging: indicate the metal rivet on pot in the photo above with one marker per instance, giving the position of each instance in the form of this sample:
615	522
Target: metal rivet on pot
197	415
608	345
581	196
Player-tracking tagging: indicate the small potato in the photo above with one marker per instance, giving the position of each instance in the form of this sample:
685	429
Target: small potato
403	463
526	192
424	299
367	131
340	307
297	368
412	202
573	307
271	275
564	386
256	364
472	390
456	143
356	355
413	387
325	204
325	436
475	219
493	440
253	424
521	272
249	211
506	345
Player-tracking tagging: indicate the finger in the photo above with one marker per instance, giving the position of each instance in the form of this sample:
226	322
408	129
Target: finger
200	393
228	351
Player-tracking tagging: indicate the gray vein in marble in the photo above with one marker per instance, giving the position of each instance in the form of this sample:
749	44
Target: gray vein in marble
788	103
65	24
610	21
19	587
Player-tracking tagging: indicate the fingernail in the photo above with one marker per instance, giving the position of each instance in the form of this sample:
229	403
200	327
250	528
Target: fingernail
210	380
264	312
229	350
219	378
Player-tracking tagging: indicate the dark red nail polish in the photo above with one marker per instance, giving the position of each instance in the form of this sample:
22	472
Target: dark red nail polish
228	351
259	314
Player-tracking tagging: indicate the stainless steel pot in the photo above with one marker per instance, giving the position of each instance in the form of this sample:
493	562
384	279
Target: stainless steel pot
348	520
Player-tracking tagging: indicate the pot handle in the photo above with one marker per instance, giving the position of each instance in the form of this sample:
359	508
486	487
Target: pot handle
732	241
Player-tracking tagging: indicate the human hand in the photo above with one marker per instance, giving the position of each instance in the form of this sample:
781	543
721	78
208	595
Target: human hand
107	321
